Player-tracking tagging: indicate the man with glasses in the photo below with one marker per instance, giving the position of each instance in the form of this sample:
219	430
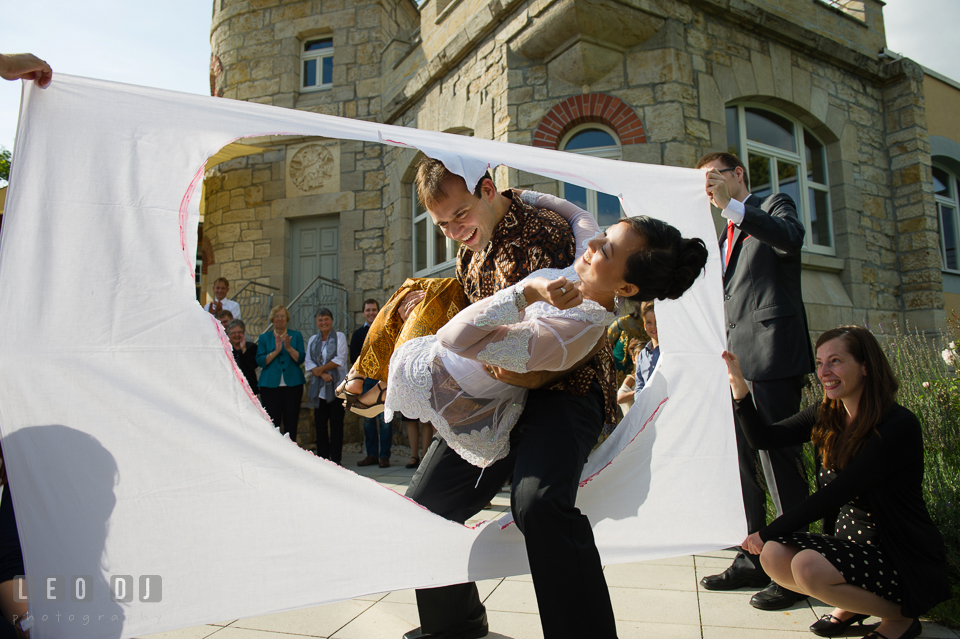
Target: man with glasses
767	330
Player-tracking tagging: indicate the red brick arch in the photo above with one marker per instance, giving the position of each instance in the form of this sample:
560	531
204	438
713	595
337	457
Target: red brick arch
593	107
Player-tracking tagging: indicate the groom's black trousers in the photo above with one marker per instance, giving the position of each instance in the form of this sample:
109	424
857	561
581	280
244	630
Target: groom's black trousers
548	448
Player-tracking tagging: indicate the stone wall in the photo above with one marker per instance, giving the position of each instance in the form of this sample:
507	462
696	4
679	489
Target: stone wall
497	68
256	51
917	228
237	219
251	201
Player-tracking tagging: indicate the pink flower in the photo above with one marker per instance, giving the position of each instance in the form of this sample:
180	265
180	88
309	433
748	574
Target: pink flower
926	384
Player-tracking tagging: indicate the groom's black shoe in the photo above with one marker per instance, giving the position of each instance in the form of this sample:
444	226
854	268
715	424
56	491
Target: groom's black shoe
469	629
733	578
775	597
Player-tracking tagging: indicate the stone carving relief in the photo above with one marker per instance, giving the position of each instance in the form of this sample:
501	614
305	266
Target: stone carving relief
313	168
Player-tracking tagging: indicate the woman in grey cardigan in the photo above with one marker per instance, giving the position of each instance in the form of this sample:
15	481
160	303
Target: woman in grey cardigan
326	365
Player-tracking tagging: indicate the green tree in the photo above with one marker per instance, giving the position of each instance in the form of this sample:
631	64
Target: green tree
4	164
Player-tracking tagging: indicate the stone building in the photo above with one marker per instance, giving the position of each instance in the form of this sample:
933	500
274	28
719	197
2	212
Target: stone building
803	90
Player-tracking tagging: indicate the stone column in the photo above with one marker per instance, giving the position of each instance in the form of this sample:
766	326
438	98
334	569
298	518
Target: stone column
914	207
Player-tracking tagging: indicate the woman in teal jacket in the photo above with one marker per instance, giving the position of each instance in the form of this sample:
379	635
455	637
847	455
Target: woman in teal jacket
280	355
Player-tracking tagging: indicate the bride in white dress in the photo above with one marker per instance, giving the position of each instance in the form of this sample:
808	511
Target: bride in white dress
548	321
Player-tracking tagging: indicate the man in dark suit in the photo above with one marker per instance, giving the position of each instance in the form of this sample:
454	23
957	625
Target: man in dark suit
767	329
374	428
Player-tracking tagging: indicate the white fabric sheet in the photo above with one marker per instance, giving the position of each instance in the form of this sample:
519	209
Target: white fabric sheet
143	454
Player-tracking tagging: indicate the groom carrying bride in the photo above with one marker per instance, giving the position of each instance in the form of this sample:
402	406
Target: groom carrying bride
504	240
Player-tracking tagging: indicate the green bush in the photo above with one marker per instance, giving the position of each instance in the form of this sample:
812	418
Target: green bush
931	389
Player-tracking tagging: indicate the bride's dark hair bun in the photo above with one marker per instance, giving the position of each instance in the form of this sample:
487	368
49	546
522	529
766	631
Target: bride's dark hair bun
667	265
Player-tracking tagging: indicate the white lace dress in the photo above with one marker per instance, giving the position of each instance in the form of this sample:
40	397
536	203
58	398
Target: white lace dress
440	379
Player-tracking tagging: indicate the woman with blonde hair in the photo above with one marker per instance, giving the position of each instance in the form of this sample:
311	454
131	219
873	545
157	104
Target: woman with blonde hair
280	355
886	557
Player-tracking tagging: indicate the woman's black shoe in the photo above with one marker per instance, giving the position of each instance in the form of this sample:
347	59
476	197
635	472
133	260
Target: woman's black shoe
912	632
830	626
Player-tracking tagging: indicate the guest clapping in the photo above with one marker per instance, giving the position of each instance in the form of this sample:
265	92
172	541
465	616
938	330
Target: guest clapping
221	286
280	354
886	558
244	352
327	365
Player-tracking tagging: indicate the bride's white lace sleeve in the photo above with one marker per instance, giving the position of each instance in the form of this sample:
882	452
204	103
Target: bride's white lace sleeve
494	332
585	228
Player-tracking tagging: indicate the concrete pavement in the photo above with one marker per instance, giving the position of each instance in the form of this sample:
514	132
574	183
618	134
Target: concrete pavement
657	599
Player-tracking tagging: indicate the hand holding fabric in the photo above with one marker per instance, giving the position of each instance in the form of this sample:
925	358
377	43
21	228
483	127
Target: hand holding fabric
753	544
25	66
738	386
717	189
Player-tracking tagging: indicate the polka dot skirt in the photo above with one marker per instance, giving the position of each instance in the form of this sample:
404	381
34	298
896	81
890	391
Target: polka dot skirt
856	550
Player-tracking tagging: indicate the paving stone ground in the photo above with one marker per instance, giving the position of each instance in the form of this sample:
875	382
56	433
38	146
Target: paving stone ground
656	599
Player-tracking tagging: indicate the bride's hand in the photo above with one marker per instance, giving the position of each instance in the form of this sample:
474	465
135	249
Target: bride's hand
409	303
560	292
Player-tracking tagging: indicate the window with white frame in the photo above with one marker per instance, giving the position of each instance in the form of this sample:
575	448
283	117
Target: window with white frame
782	156
853	8
432	250
316	64
598	141
945	188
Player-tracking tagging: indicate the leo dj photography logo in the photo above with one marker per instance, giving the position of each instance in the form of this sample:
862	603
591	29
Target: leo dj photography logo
123	588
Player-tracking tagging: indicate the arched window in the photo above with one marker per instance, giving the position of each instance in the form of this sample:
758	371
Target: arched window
945	188
316	64
432	250
782	156
593	139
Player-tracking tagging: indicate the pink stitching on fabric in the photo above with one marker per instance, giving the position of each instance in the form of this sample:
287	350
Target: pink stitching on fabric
642	428
184	204
396	142
228	347
591	477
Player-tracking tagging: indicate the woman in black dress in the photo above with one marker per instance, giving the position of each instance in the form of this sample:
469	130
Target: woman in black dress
244	352
886	557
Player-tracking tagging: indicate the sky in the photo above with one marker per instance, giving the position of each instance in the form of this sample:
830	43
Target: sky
166	43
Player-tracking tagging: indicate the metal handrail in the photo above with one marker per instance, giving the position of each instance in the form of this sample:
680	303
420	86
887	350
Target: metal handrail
275	288
321	291
255	305
335	283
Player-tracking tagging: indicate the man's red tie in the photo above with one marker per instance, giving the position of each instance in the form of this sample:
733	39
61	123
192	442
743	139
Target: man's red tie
729	242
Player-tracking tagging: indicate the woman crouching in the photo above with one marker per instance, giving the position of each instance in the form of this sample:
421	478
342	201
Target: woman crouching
886	557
